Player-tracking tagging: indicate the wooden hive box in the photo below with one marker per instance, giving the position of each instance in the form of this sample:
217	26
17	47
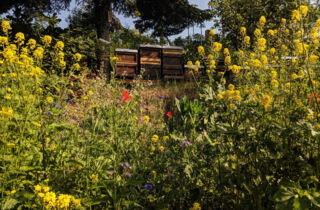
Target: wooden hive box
127	62
150	61
172	61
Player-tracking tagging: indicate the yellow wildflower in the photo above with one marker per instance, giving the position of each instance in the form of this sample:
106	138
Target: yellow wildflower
296	15
304	10
274	83
247	40
219	97
243	31
38	188
46	40
155	138
77	57
257	32
11	144
216	46
262	21
5	26
161	148
196	206
50	99
201	50
212	32
59	45
227	60
19	38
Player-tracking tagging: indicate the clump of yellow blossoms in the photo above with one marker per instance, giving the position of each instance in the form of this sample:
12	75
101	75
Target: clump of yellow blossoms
52	201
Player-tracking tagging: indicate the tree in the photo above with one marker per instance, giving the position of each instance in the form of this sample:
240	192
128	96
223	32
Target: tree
230	15
167	17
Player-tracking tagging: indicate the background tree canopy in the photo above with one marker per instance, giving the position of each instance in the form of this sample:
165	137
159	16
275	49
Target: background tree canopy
230	15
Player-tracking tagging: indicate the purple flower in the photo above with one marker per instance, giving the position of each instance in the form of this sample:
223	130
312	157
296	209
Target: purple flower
49	112
185	143
148	186
70	101
58	106
127	175
125	165
161	97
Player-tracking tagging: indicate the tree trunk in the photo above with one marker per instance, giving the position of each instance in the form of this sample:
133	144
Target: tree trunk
103	17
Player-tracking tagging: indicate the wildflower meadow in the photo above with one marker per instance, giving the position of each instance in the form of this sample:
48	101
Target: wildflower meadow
245	136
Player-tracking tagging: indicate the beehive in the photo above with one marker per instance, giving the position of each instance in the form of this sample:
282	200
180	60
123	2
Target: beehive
127	62
172	61
150	61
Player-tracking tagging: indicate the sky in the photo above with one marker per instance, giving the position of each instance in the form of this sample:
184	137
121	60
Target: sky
128	22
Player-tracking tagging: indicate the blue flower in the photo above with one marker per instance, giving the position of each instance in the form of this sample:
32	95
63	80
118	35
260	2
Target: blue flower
148	186
49	112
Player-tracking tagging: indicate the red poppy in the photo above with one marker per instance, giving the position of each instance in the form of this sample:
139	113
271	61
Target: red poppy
126	96
169	114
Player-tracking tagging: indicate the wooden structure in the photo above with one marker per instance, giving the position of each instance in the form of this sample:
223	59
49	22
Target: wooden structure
127	62
150	61
172	62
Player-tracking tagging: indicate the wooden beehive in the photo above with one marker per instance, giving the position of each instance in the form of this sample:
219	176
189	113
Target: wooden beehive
127	62
172	61
150	61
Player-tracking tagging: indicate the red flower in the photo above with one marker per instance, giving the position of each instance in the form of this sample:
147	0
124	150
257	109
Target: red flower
126	96
169	114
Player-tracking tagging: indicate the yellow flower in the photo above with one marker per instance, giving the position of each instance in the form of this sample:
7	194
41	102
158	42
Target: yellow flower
77	57
243	31
153	172
75	67
197	63
201	50
11	144
90	92
41	195
226	51
318	23
274	74
189	63
46	40
212	32
4	40
274	83
257	32
288	85
46	189
219	97
47	140
166	138
196	206
266	101
31	43
231	87
155	138
12	192
7	96
296	15
36	124
161	148
294	76
216	46
227	60
314	59
7	112
304	10
247	40
19	38
5	26
262	21
59	45
50	99
38	53
261	43
264	59
272	51
38	188
271	32
283	21
146	118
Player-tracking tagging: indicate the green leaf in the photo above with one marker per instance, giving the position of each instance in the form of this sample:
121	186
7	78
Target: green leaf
10	203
